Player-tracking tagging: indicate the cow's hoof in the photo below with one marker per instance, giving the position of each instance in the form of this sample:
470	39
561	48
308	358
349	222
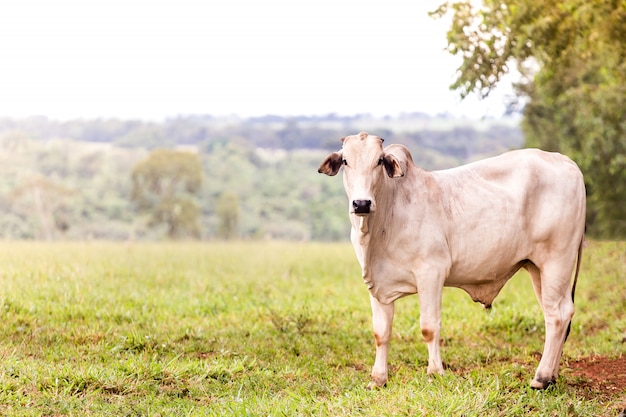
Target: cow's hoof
374	386
435	372
540	383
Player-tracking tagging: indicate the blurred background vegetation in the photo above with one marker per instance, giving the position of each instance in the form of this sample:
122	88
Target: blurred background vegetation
204	177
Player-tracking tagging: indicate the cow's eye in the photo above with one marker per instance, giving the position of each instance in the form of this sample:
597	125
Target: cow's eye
380	161
343	161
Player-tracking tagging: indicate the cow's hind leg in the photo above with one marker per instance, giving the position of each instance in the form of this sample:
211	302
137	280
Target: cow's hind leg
552	287
382	317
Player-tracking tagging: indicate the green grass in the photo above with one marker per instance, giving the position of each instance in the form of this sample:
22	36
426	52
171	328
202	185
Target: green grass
274	329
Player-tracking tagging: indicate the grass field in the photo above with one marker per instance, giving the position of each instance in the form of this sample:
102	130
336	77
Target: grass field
279	329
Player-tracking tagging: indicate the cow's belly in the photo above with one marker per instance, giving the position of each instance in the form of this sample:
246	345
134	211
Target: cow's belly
490	270
483	283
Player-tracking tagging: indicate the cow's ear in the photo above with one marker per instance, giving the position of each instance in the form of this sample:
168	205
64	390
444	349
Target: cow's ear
392	166
332	164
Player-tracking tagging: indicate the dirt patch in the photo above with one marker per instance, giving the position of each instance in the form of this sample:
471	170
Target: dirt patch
599	377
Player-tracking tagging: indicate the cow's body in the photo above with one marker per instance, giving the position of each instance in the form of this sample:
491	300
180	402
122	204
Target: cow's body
470	227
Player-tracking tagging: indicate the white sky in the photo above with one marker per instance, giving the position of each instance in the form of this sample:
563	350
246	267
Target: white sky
162	58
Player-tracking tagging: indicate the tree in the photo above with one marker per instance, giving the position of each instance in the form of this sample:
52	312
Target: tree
572	58
166	185
227	211
48	203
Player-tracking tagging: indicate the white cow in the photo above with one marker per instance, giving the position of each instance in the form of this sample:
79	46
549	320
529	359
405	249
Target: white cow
470	227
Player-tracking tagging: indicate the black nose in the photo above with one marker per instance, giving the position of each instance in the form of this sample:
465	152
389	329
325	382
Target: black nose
361	206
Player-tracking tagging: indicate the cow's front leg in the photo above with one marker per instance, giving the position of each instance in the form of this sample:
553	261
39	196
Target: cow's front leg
430	322
382	317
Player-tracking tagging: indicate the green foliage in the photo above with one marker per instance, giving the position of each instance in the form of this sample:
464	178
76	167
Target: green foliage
572	56
165	184
181	214
89	196
267	328
227	211
47	200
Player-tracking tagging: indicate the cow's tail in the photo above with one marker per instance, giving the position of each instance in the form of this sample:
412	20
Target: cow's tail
580	254
578	260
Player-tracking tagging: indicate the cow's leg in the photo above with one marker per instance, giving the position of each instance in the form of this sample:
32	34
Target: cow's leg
535	277
382	317
552	285
430	321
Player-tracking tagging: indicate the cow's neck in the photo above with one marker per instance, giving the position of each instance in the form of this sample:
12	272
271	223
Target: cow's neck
370	236
397	212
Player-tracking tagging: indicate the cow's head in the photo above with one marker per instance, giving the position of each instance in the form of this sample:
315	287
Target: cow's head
365	164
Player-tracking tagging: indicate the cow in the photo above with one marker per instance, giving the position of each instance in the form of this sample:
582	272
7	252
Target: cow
471	227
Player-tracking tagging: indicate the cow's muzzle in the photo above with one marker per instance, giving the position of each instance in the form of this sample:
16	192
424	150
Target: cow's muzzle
361	206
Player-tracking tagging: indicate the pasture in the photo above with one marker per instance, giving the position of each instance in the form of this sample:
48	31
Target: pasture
282	329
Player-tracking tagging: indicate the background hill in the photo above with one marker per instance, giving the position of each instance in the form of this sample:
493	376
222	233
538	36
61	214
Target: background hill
72	179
